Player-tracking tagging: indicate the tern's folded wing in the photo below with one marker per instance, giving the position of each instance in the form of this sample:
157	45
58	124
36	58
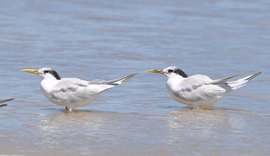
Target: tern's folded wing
114	82
224	80
195	81
197	88
2	101
73	91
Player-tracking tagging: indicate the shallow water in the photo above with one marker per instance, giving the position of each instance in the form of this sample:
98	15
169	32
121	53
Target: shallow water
109	39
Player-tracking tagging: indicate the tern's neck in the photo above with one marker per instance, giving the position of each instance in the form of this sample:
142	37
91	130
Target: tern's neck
50	77
48	83
174	81
175	77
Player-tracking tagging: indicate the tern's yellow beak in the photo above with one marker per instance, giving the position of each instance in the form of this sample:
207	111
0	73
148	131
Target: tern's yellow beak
33	71
155	71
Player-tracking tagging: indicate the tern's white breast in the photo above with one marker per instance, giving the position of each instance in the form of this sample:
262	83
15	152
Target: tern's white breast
46	86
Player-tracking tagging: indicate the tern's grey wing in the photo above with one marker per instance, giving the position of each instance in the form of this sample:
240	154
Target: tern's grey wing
2	101
72	90
2	104
195	81
97	81
224	80
114	82
197	87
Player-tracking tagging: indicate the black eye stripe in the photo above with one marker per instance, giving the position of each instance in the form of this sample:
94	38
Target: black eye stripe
178	72
181	72
53	73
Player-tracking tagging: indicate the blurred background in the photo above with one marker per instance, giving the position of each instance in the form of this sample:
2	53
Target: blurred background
98	39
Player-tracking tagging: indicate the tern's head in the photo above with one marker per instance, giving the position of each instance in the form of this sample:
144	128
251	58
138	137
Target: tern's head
46	73
171	71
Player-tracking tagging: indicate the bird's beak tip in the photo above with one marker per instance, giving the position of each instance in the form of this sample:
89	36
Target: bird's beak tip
154	71
33	71
150	71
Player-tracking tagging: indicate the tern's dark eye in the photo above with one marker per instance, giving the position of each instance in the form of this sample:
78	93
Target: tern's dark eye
170	71
46	71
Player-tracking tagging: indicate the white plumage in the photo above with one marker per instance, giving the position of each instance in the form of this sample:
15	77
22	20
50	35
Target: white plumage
199	90
72	92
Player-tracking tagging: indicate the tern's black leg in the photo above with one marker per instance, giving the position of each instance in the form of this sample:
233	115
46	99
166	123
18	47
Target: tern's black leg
68	109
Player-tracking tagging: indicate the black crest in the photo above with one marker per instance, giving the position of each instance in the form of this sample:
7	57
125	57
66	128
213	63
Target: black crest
55	74
181	72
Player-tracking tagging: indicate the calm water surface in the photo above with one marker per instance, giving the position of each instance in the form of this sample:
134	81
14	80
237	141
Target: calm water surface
108	39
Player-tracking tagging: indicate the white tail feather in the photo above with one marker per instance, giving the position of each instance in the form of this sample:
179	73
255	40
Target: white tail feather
242	82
